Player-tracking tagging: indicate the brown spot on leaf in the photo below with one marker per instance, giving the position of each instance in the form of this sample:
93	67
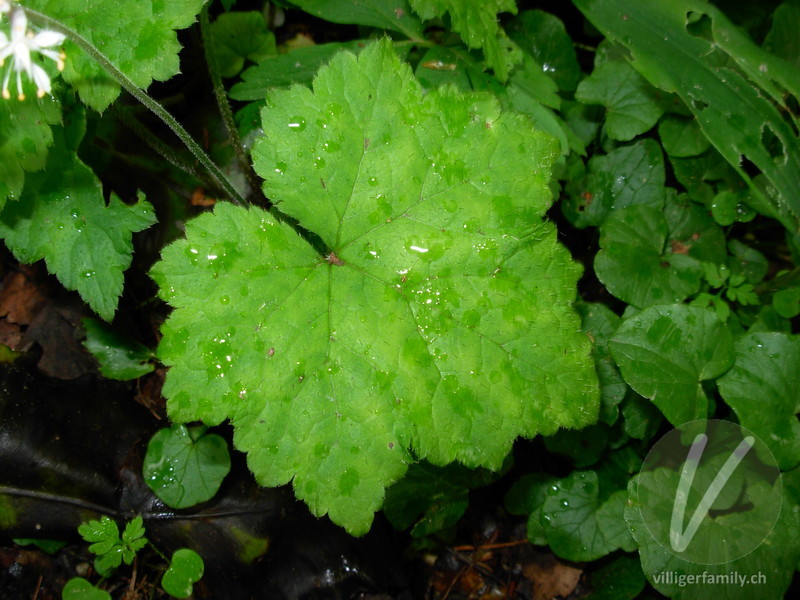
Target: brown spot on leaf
679	247
334	260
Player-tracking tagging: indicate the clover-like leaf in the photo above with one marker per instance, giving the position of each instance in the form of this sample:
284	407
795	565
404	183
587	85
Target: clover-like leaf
63	218
104	533
185	569
665	352
133	539
137	37
476	23
436	324
185	467
763	389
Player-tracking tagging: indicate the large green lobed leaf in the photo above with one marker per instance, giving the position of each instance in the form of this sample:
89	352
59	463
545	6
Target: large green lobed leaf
440	324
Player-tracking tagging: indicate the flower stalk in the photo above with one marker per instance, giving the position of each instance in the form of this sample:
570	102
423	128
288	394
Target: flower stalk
56	28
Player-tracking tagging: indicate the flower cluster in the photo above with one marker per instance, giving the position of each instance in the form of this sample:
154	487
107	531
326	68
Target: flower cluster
20	49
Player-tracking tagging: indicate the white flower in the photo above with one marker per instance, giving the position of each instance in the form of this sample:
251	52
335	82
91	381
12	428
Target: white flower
5	6
21	46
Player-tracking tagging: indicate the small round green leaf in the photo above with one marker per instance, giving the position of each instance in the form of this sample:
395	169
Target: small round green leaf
78	588
664	352
635	264
544	37
183	471
682	136
576	527
185	569
627	176
621	579
119	357
240	36
632	104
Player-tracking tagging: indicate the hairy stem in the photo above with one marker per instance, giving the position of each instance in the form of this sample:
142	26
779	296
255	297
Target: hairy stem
222	103
123	80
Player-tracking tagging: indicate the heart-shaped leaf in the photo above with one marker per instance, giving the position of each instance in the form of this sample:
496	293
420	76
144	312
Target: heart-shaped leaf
185	568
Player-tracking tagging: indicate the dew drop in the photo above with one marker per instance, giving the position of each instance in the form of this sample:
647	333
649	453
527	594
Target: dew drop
297	123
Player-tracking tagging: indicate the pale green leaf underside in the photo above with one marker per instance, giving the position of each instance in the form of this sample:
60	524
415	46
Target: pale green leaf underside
63	218
138	36
446	332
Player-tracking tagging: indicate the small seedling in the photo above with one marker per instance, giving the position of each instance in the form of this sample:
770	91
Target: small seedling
185	568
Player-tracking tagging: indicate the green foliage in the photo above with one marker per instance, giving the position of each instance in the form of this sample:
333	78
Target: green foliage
632	105
137	36
185	569
25	136
620	579
666	352
79	588
578	524
768	568
599	323
393	15
627	176
119	357
240	36
765	368
737	91
636	264
476	23
185	466
543	37
63	218
296	66
432	499
49	546
404	305
436	272
110	548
